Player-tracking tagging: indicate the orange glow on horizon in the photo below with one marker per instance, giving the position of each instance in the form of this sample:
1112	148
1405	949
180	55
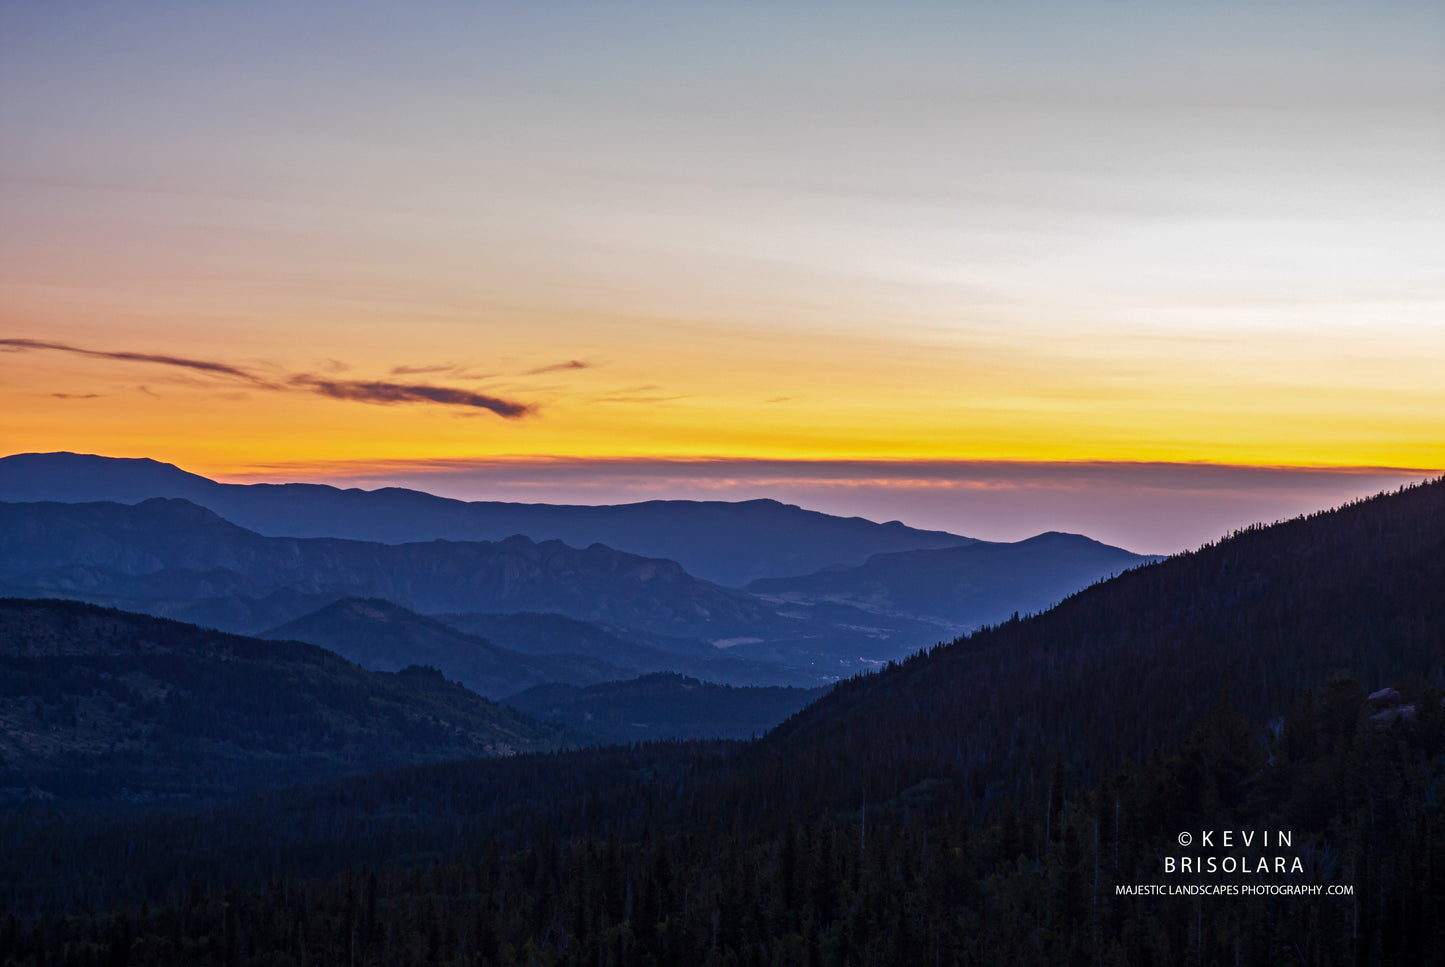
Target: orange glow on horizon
501	234
700	397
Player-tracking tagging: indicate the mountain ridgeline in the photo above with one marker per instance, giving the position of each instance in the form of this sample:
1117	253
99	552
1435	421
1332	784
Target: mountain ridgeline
380	635
172	558
1125	669
728	543
102	705
961	588
975	804
171	548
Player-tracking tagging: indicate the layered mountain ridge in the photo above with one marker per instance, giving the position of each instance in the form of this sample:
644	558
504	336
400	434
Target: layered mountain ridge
728	543
105	705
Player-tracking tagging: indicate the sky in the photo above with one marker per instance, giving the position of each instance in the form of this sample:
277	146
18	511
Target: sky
1146	271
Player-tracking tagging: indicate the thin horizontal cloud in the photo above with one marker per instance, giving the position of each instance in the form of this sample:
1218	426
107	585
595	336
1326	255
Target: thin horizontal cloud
636	399
389	393
424	370
558	367
1146	507
361	391
76	396
964	474
200	365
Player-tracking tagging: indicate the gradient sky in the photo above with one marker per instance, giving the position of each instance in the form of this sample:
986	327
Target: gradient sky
1142	270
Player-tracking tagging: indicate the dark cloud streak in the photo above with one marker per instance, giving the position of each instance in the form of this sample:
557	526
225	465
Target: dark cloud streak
423	370
361	391
201	365
390	393
558	367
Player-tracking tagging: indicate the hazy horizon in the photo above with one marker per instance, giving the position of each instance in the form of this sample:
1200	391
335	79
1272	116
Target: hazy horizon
1131	506
1148	272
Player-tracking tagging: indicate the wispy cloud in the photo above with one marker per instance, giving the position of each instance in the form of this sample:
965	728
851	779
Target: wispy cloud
423	370
361	391
558	367
200	365
76	396
636	399
389	393
645	393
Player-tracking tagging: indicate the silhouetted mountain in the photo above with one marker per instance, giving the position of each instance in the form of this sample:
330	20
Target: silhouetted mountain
664	706
156	547
240	614
1129	666
975	804
163	551
82	478
961	588
103	704
729	543
382	636
553	634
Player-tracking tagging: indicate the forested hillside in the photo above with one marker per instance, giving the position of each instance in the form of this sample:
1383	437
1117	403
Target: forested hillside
908	883
664	705
977	804
380	635
1127	667
101	705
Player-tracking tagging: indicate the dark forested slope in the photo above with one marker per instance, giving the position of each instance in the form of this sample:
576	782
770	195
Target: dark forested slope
102	704
536	633
383	636
1126	667
664	705
973	805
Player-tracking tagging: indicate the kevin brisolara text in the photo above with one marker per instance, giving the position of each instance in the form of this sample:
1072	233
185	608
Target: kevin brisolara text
1231	889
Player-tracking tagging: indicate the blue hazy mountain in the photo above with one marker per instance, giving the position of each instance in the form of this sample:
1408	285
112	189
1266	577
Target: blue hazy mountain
174	548
729	543
639	653
382	636
961	588
179	559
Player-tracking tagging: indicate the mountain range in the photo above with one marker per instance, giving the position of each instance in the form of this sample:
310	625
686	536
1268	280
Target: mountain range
728	543
170	557
979	802
537	633
171	548
100	705
382	636
960	588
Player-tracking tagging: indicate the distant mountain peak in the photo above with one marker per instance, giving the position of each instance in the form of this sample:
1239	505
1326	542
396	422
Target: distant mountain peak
726	542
